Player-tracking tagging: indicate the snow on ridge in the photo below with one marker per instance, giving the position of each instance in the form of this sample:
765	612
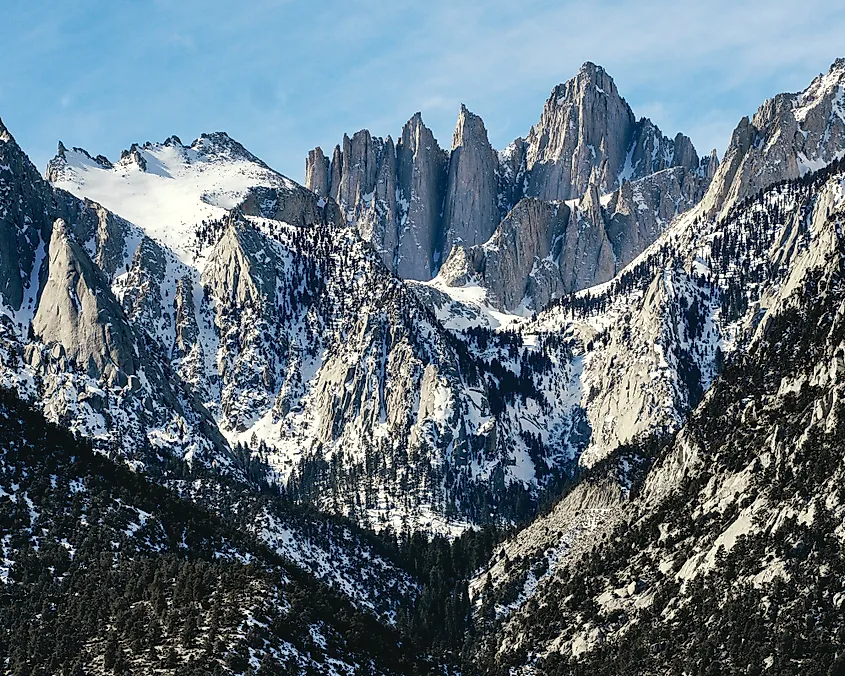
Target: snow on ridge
167	188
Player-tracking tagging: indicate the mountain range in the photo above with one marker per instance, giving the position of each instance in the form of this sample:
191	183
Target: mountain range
549	409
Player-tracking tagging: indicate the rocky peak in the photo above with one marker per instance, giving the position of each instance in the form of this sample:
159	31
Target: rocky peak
77	310
220	144
133	157
588	132
317	172
585	124
789	136
421	173
471	210
709	165
359	168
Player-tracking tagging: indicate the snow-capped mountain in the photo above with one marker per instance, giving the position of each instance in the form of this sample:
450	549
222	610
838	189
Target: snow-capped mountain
168	188
425	342
283	331
292	335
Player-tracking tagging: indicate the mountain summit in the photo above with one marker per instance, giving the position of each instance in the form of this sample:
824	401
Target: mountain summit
587	137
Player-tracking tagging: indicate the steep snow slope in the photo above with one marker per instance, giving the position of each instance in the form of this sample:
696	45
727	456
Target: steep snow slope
168	189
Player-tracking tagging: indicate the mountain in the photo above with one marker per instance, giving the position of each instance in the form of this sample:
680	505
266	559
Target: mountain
588	136
215	380
105	572
670	552
790	135
169	188
587	139
360	399
291	334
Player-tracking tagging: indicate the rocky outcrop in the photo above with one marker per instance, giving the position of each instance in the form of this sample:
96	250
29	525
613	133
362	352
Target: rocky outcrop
587	253
291	205
506	264
471	209
104	235
392	194
241	279
588	133
317	172
421	170
25	205
543	250
362	179
789	135
77	310
638	212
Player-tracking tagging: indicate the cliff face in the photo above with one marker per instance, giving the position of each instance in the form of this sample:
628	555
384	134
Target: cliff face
471	208
789	136
75	310
415	205
539	253
421	171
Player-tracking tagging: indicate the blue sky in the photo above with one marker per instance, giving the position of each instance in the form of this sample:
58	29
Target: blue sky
282	76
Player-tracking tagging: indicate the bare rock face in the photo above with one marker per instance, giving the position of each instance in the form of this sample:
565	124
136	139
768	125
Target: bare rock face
393	194
587	132
585	124
415	205
359	169
587	253
378	211
638	212
543	250
103	233
362	179
293	205
77	311
517	262
317	172
25	202
471	210
421	172
790	135
524	239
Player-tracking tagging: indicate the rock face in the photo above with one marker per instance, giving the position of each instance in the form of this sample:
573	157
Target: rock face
421	170
317	172
417	211
789	135
507	265
362	179
24	223
588	133
539	253
76	311
471	209
392	193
